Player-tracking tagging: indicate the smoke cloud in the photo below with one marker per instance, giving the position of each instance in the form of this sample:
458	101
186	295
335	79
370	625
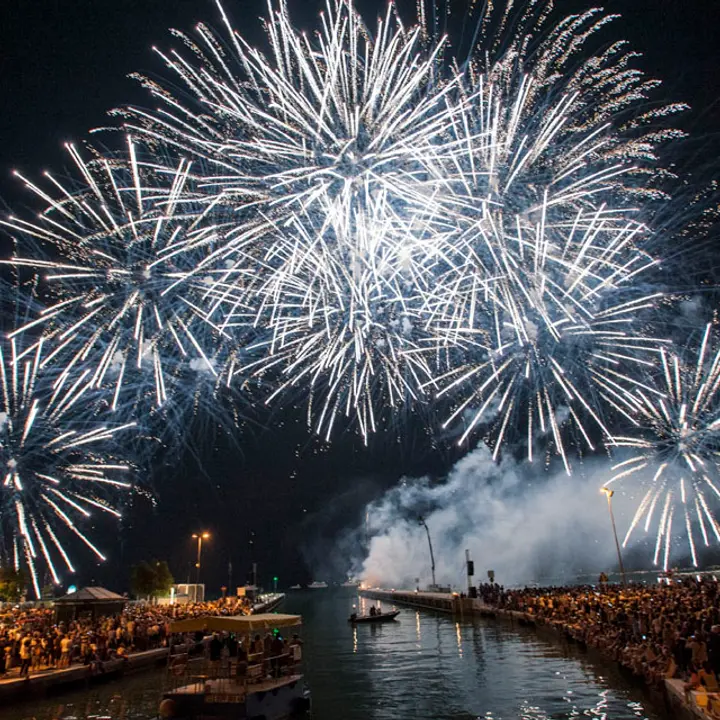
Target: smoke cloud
526	524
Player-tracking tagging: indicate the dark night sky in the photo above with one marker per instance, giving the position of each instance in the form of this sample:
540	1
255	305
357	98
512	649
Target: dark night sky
63	64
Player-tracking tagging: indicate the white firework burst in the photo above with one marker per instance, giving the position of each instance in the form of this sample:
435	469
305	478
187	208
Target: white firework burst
123	318
56	470
677	449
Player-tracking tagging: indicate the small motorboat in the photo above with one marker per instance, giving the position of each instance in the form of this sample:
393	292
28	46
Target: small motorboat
378	617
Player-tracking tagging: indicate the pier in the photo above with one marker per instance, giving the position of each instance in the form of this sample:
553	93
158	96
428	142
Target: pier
440	602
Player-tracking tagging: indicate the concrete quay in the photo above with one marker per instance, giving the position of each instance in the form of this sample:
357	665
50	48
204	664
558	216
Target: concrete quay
440	602
45	682
680	705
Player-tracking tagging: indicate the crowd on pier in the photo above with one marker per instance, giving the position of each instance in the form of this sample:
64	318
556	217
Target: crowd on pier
32	639
656	631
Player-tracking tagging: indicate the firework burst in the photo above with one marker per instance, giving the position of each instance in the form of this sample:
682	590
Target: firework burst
549	264
55	472
344	316
677	451
123	317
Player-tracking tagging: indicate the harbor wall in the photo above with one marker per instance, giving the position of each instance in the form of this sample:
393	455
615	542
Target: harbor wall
673	695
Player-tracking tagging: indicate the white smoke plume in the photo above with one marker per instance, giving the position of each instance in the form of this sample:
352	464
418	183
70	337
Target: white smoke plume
525	524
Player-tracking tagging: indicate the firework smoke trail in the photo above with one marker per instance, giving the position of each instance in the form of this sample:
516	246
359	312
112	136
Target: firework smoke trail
55	474
123	318
678	448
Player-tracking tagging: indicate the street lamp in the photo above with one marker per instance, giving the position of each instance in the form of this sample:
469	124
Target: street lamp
609	493
421	521
199	537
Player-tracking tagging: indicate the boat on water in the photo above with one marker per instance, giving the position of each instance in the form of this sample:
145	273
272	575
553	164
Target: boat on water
317	585
350	583
239	685
296	587
378	617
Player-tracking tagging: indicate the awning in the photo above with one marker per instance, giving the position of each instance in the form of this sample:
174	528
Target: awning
241	624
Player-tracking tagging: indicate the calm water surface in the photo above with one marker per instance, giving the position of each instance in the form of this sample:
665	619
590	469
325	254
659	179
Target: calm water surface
424	666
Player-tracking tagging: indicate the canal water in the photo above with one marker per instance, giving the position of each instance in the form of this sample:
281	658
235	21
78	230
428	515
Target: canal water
425	666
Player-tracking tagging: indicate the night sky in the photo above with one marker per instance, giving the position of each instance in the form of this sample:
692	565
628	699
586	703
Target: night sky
274	495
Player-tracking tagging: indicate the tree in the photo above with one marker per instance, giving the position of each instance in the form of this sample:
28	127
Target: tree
12	584
142	580
163	578
151	579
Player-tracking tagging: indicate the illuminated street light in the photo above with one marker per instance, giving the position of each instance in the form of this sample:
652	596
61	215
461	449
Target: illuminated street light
199	537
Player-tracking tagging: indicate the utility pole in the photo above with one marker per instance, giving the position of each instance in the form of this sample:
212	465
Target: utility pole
609	493
421	521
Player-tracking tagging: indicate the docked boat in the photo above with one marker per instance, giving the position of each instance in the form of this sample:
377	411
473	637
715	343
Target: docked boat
350	583
249	685
317	585
378	617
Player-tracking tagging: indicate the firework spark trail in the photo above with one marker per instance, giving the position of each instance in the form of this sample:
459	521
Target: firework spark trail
559	326
351	327
55	472
123	314
550	164
679	439
336	128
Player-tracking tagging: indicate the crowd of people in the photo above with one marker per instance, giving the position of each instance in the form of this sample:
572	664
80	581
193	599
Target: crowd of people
31	639
657	631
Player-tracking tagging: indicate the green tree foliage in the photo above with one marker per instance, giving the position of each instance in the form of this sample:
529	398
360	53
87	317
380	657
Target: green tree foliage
163	578
151	579
12	584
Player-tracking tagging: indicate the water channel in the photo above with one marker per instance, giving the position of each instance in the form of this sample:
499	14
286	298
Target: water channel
425	666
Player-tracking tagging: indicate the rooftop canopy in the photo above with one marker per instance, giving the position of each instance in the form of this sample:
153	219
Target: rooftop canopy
241	624
92	595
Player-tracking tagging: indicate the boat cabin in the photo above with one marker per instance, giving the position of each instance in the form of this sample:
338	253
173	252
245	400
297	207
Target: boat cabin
246	666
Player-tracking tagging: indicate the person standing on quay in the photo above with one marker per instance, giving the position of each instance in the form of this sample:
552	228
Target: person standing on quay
25	657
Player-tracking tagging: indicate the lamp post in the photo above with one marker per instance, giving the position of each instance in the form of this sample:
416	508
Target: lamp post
421	521
609	493
199	537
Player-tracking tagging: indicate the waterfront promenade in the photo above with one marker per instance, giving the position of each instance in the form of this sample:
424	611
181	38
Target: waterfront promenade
683	701
68	654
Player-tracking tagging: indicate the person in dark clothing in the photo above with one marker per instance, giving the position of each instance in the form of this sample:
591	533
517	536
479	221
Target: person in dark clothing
713	648
215	648
232	645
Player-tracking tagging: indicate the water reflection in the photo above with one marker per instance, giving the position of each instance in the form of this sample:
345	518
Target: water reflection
458	635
